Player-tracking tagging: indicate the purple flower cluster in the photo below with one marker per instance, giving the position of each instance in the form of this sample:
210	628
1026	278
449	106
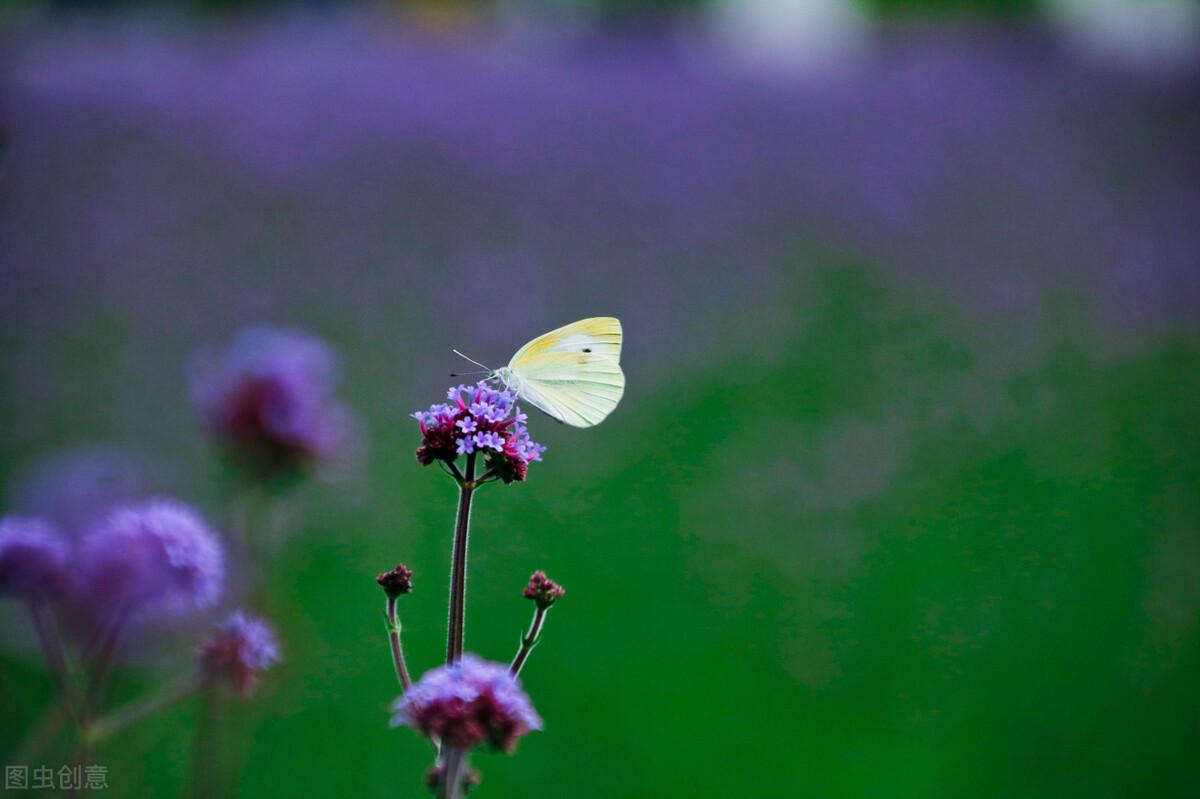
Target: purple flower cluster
479	419
155	557
542	590
33	559
243	647
466	703
269	398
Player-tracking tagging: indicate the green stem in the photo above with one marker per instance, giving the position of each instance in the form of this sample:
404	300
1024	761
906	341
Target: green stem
397	650
529	641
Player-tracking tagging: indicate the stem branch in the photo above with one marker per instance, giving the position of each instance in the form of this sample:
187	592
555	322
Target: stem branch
529	641
397	651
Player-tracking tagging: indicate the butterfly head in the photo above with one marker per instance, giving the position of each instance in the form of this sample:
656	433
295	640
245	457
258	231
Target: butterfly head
506	377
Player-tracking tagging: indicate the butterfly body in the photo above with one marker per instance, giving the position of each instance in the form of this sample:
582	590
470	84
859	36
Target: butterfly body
572	374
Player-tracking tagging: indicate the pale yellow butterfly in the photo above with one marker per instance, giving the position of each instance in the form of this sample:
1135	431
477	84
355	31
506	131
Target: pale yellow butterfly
572	374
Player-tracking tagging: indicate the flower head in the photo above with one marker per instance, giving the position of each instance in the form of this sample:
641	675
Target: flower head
269	398
243	647
396	582
542	590
478	419
466	703
154	557
33	558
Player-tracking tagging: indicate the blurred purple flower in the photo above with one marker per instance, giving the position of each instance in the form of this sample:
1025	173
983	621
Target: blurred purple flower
243	647
270	398
33	559
478	419
466	703
77	487
156	557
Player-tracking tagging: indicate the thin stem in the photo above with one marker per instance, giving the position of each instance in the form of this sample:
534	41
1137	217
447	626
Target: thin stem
98	679
458	568
47	634
529	641
101	665
397	650
486	477
134	712
454	761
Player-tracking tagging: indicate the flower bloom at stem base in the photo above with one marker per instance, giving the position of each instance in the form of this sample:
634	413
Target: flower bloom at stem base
467	703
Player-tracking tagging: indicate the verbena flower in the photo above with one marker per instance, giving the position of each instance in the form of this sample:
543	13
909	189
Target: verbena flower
154	557
243	647
270	399
542	590
33	558
466	703
479	419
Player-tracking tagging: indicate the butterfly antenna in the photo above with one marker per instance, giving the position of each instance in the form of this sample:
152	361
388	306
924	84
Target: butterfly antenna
487	369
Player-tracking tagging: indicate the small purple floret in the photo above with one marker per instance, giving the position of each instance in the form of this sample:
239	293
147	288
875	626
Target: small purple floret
479	419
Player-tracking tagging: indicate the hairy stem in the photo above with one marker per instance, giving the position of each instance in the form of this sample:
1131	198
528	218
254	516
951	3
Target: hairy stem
458	568
529	641
397	650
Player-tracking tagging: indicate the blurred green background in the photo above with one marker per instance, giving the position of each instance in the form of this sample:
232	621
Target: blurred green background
901	500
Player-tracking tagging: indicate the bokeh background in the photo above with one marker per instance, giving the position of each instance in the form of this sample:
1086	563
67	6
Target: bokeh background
901	500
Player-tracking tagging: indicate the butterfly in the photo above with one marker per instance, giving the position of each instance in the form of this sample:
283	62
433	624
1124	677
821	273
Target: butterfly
572	374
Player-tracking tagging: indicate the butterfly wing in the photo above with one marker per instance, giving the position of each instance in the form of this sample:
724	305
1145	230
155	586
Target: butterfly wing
600	335
573	373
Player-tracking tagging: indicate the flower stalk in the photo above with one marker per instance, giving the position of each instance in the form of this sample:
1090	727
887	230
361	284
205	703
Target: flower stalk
477	437
543	592
397	650
458	567
450	775
528	642
396	583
